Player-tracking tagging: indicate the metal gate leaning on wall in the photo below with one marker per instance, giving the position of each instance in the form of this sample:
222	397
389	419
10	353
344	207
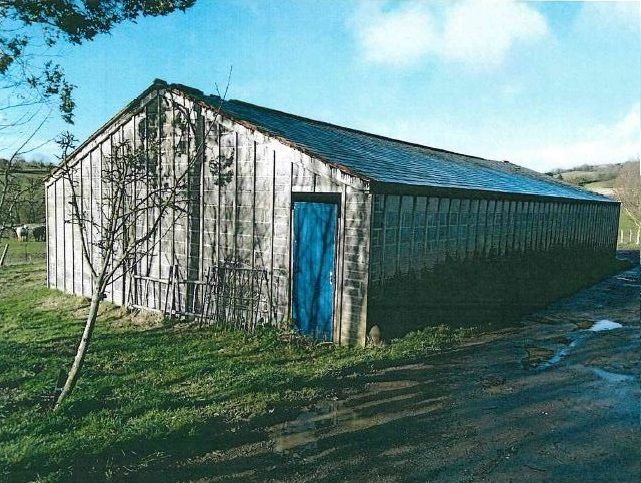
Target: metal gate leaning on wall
229	295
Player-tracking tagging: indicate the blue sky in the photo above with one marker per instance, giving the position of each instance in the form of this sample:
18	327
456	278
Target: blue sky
550	84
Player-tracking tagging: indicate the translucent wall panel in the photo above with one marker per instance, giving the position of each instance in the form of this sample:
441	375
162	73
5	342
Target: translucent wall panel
418	240
505	228
527	226
463	230
554	223
566	224
518	220
481	228
473	219
496	227
573	214
405	234
442	232
376	237
533	224
390	241
452	227
547	225
589	226
432	231
489	227
511	226
541	224
581	225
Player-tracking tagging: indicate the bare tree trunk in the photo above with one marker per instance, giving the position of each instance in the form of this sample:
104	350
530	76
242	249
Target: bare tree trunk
4	254
74	372
129	226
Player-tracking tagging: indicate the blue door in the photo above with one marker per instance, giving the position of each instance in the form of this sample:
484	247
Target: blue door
313	265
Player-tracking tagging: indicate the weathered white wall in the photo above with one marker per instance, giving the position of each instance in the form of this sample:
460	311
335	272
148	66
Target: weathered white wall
239	210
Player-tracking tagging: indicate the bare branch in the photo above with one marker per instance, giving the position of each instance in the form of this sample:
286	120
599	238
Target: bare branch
627	189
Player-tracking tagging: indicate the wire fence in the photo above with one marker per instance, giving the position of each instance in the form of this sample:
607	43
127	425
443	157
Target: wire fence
629	237
14	252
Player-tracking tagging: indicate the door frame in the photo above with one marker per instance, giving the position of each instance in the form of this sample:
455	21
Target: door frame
331	197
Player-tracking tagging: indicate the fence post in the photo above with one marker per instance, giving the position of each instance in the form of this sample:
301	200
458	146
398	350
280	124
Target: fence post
4	254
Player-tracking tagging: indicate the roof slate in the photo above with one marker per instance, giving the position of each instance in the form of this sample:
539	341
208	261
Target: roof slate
386	160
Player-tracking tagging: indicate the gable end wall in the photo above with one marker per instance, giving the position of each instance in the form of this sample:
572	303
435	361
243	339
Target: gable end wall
246	218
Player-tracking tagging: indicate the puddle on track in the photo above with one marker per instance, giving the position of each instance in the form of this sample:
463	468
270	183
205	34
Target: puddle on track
628	280
414	390
604	324
558	355
380	386
612	377
598	326
380	404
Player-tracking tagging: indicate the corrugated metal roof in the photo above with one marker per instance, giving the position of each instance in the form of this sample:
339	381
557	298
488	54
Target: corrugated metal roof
384	160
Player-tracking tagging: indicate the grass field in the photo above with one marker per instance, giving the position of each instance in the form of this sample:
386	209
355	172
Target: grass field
149	387
23	252
607	183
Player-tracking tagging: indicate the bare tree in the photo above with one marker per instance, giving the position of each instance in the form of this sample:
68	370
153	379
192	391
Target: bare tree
130	220
33	84
11	193
31	31
15	189
627	189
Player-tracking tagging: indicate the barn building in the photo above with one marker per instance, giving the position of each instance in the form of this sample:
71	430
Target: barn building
322	216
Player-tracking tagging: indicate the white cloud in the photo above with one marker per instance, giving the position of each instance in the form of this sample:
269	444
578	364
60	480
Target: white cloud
397	37
604	144
474	32
482	32
609	15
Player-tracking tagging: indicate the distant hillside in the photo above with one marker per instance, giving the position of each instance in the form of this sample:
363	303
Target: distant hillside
601	175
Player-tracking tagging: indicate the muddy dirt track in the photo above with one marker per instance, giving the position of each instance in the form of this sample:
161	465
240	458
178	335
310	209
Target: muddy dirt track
554	399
